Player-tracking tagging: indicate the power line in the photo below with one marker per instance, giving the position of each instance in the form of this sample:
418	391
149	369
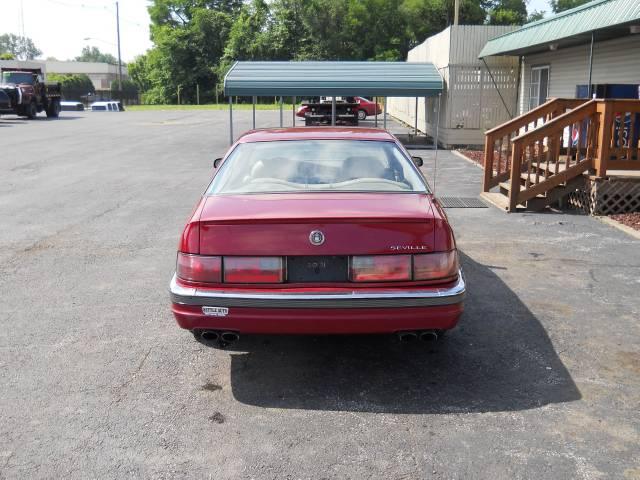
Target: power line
94	7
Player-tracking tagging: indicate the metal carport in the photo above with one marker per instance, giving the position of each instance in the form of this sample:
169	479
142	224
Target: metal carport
331	79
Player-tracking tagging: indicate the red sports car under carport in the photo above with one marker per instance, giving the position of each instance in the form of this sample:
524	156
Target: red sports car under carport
317	231
366	108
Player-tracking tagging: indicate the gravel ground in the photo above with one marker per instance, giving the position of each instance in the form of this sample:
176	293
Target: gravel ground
540	381
629	219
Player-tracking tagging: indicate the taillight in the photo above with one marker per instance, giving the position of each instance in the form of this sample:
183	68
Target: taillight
190	240
380	268
253	270
431	266
199	268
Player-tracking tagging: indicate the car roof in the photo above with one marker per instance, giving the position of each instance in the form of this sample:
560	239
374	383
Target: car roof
316	133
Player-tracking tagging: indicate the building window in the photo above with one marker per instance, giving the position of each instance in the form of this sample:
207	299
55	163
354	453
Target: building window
539	86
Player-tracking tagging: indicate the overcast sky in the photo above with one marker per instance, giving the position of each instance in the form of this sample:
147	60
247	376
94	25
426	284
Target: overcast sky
59	27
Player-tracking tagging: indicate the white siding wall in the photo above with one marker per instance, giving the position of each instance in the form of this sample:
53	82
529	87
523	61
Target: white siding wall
614	61
470	103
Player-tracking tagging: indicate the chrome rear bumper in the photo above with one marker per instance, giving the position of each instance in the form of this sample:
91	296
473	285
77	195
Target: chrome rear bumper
355	299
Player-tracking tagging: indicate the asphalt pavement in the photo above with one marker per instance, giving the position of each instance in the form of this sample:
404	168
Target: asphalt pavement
541	380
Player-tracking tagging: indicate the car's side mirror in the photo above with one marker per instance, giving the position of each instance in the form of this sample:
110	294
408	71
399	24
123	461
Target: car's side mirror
216	162
418	161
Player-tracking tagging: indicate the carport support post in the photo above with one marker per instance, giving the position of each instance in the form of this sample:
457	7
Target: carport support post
230	120
590	66
384	120
416	119
435	157
254	111
375	99
293	110
426	101
333	111
280	111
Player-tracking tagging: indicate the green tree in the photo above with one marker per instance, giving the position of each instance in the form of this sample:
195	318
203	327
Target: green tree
21	48
249	35
73	86
424	18
196	41
181	12
508	12
186	54
7	56
561	5
93	54
129	89
534	16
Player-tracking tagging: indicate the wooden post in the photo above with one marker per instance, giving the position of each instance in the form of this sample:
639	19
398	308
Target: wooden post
516	162
605	121
489	143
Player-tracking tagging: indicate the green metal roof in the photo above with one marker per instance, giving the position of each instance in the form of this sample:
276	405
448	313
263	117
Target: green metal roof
571	26
391	79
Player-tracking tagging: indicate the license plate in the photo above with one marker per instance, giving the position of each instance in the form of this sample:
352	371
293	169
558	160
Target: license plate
215	311
317	269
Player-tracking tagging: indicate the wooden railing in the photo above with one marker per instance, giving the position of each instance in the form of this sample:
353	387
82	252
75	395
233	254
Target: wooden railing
619	137
498	148
561	149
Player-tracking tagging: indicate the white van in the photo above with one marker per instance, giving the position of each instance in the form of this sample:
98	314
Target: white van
105	107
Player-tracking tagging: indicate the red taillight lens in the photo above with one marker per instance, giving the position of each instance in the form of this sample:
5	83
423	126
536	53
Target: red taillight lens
431	266
381	268
198	268
253	270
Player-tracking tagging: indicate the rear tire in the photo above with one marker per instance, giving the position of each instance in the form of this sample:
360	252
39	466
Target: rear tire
362	115
32	111
54	109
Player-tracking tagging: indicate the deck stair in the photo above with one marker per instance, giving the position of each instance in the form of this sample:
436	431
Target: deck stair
541	157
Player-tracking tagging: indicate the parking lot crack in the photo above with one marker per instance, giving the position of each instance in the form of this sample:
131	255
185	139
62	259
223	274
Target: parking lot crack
133	376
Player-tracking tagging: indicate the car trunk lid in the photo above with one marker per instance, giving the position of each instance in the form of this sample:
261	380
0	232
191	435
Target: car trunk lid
351	224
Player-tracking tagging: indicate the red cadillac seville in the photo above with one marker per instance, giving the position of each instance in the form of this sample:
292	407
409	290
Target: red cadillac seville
317	231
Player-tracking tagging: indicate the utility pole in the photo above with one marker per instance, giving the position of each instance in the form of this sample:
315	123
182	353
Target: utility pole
456	12
119	56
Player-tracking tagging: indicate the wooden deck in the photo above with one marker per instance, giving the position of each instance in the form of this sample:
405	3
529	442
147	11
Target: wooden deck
539	157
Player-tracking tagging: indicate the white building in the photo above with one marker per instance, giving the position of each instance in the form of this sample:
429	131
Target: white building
470	102
557	59
101	74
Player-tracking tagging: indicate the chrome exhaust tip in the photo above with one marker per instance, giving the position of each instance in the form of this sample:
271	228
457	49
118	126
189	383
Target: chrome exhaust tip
407	337
229	337
209	335
429	336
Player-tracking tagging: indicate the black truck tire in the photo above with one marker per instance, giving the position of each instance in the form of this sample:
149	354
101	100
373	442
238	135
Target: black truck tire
53	110
31	111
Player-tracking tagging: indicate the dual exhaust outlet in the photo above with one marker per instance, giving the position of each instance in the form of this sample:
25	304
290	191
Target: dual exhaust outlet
405	337
427	336
222	337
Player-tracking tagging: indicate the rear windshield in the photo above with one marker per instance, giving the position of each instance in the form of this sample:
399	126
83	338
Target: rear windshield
317	165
